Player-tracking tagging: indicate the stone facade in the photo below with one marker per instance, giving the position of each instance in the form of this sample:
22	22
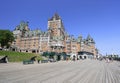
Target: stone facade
55	39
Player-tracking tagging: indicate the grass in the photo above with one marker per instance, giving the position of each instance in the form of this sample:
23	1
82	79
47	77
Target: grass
18	56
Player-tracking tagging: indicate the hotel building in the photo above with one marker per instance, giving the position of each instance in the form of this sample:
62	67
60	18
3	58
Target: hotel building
55	39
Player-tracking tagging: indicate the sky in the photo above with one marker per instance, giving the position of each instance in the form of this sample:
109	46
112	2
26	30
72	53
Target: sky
99	18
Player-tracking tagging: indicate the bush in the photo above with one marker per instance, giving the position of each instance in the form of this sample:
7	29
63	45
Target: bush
117	59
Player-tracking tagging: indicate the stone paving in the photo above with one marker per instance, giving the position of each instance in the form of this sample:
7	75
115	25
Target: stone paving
82	71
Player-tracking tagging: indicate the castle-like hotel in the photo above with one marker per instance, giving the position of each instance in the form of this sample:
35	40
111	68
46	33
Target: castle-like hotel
55	39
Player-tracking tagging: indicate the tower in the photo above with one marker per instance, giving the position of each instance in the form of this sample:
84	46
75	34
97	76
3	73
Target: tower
57	33
56	28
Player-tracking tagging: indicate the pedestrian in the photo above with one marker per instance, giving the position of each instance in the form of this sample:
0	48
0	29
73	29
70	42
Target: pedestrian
74	58
107	60
38	61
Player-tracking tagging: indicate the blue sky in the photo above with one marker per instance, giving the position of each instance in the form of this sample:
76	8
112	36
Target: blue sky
99	18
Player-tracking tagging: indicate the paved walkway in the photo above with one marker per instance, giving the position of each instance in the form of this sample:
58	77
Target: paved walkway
83	71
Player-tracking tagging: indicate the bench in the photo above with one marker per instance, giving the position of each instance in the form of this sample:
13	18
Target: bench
28	62
44	61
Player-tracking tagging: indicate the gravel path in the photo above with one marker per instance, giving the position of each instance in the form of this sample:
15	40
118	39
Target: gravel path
82	71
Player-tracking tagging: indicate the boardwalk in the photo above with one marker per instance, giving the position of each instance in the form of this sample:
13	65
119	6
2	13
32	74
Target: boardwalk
84	71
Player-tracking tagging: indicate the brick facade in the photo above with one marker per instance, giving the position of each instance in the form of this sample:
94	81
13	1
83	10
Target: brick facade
55	39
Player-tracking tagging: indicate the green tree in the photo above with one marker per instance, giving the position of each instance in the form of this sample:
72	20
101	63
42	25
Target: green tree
45	54
6	38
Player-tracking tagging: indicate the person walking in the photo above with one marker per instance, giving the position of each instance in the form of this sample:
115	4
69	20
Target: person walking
74	58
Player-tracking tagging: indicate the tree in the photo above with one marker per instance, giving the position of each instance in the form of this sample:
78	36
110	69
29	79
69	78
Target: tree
45	54
6	38
52	54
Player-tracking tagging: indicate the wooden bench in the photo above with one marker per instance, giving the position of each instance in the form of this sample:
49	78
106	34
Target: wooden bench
28	62
44	61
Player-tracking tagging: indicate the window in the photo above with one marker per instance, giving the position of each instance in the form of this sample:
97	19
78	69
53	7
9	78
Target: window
68	49
33	45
